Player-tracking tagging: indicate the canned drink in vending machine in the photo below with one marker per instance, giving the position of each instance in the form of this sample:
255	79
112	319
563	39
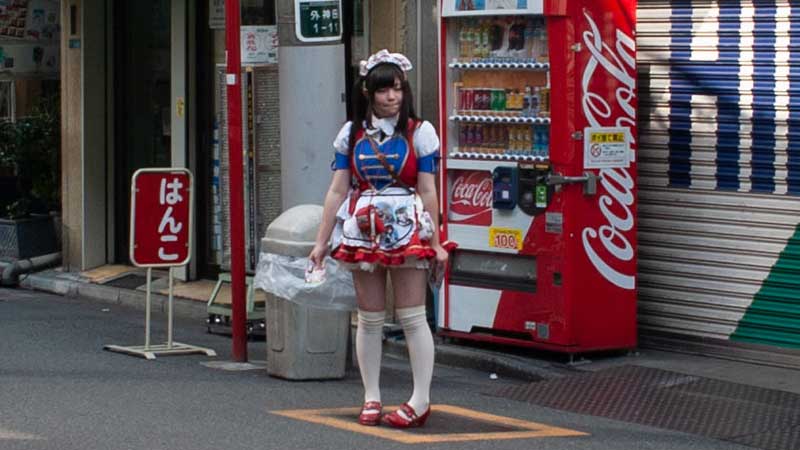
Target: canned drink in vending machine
495	99
468	97
477	100
486	99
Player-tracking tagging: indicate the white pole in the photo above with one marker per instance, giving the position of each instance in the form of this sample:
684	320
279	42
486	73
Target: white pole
147	311
169	324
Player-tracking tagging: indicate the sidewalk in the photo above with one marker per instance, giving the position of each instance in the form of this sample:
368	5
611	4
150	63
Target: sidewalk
496	361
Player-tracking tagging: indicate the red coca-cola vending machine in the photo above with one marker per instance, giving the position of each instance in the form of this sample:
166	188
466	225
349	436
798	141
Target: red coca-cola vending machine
538	122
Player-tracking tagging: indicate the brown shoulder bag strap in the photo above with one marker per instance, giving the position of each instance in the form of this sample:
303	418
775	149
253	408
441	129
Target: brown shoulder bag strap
382	159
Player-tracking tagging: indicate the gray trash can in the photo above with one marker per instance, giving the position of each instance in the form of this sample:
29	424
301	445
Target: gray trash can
302	343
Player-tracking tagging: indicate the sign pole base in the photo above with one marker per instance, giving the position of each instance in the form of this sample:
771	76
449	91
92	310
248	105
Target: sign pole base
161	350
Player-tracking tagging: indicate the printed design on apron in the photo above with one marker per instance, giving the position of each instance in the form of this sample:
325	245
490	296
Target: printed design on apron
395	209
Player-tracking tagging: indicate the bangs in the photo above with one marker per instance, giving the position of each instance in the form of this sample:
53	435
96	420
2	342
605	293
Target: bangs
383	75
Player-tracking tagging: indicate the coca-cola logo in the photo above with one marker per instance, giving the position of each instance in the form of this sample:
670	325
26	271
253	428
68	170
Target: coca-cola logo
471	196
605	63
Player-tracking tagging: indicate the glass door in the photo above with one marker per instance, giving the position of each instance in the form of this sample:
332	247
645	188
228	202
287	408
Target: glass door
142	115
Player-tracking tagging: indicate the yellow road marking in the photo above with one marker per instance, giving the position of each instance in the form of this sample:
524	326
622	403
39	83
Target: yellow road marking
527	430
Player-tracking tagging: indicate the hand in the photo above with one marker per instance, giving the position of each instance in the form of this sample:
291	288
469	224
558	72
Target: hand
317	255
441	255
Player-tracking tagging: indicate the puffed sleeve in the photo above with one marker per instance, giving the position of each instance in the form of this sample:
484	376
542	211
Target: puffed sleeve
340	144
426	144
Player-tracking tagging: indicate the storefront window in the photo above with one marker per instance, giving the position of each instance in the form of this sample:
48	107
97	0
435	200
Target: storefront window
6	99
258	12
359	40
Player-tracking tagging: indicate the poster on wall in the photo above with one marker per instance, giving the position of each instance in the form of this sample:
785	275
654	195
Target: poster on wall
21	57
32	20
259	45
216	14
29	33
490	7
606	148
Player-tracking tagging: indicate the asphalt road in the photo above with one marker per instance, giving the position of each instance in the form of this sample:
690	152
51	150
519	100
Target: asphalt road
59	390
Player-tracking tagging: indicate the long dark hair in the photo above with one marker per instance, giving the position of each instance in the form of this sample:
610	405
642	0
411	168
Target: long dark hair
381	76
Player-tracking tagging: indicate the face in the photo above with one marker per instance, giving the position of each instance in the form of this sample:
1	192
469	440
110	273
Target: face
387	100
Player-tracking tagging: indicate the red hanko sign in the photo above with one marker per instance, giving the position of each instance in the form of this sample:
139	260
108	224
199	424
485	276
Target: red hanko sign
162	208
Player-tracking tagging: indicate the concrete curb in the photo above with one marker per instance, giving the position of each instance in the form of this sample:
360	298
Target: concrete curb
72	288
503	365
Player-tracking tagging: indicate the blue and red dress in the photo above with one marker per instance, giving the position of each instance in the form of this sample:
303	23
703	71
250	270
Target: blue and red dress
403	237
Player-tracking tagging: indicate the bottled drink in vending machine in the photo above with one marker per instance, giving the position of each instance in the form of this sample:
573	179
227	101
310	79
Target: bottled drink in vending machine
544	102
545	52
541	141
469	41
511	139
463	49
532	100
485	29
519	140
479	136
470	138
530	38
527	139
500	138
494	138
462	136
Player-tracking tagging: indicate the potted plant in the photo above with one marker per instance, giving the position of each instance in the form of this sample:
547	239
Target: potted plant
30	147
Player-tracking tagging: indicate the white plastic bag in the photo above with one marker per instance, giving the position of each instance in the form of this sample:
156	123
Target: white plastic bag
285	277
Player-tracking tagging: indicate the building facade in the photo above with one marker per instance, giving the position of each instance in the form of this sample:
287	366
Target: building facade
142	86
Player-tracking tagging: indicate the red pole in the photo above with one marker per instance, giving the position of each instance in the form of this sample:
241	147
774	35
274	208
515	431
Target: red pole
234	82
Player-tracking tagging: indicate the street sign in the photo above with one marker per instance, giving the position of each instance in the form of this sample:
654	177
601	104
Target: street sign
318	20
162	209
162	206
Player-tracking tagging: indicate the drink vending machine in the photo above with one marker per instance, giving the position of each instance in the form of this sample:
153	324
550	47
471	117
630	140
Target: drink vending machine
538	122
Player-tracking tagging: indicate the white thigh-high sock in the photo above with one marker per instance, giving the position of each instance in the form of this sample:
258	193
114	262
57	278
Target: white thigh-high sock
420	351
369	340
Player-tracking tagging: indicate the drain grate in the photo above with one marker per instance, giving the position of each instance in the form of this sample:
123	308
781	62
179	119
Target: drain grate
733	412
130	281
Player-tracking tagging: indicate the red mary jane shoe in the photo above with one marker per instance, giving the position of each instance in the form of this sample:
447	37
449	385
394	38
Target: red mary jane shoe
394	419
370	414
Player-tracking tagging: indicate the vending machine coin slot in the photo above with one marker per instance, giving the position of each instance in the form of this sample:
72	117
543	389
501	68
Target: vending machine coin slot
504	187
534	192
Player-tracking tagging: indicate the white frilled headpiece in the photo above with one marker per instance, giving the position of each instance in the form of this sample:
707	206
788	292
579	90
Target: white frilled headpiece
384	56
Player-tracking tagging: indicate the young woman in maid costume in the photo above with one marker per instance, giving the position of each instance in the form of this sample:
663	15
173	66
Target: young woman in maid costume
381	213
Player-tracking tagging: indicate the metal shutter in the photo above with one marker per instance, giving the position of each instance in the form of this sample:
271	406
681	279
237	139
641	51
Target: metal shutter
719	170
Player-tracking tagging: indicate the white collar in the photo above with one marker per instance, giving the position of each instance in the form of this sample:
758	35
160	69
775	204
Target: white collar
385	124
